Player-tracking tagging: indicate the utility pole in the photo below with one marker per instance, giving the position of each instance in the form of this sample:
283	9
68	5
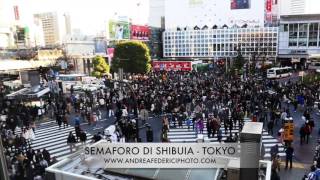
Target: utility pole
226	65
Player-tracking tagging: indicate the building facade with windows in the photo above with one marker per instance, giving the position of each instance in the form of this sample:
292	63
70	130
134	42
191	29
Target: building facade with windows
299	37
50	27
221	43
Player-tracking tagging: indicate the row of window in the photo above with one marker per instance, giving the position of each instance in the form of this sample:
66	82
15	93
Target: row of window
220	49
224	31
302	34
252	43
220	41
207	54
252	36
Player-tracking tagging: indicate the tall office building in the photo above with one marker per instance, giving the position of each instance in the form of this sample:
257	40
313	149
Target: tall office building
6	25
50	27
67	20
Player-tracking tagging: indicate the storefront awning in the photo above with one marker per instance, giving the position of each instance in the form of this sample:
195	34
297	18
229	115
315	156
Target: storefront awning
314	56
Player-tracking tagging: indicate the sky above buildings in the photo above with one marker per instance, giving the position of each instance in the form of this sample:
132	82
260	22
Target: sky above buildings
91	16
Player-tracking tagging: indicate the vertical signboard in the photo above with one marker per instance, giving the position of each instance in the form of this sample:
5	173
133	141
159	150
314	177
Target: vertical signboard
16	13
269	6
268	11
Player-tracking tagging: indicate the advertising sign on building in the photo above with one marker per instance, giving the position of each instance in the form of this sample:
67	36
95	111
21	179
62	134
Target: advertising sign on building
110	52
140	32
268	11
269	5
240	4
119	30
16	13
172	65
100	46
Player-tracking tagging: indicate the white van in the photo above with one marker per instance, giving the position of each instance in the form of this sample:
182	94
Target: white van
279	72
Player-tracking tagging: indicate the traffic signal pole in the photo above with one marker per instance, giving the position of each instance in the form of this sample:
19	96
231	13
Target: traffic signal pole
3	163
135	106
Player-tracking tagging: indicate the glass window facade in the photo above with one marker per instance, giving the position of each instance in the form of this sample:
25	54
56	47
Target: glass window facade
302	34
313	34
220	42
293	35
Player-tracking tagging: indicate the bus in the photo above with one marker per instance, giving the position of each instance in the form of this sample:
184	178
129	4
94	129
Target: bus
69	80
279	72
71	77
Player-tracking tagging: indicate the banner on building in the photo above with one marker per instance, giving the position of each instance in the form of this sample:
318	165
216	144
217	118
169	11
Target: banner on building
119	30
240	4
140	32
172	65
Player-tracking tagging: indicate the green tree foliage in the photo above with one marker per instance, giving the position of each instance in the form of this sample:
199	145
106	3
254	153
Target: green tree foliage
311	78
238	63
132	56
100	67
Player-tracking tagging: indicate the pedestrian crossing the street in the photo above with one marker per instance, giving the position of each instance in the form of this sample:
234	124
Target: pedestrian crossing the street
185	135
53	139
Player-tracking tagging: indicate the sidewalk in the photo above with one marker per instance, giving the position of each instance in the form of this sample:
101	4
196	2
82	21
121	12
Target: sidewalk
296	173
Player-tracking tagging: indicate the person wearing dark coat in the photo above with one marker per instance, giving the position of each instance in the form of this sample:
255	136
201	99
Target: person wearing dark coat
78	131
46	155
38	156
59	119
71	141
83	137
149	134
30	154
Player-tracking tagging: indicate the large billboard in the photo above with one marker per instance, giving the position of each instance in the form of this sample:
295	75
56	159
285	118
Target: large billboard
172	65
100	46
140	32
119	30
240	4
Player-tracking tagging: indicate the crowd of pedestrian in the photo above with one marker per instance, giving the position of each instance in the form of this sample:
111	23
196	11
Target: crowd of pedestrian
201	100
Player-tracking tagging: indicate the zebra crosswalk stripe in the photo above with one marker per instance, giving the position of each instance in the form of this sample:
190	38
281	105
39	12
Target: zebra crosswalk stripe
184	134
53	139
